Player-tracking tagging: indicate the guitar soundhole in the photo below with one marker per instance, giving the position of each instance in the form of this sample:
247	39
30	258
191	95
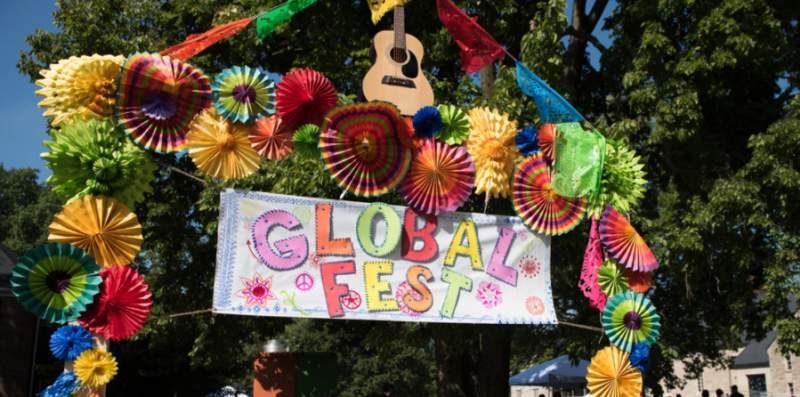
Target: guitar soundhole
398	55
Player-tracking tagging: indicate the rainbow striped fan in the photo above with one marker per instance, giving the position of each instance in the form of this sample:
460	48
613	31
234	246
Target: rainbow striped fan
362	148
538	205
158	99
623	242
441	178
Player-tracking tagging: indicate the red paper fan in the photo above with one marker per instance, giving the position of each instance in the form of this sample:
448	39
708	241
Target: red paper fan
638	281
121	307
440	179
624	244
270	138
547	141
304	96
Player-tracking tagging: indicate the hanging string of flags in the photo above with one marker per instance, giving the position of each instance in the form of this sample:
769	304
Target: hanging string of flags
477	48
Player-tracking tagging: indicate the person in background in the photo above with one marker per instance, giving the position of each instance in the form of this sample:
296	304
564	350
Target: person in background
704	393
719	393
735	391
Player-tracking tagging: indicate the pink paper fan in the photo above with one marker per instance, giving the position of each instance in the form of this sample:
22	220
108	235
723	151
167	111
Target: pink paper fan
440	179
624	244
122	306
270	138
304	96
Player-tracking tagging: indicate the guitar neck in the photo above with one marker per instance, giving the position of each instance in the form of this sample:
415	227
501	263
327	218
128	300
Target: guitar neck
400	27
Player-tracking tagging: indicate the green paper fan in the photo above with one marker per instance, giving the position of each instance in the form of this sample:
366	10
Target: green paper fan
456	125
306	141
91	157
630	318
56	282
623	182
611	279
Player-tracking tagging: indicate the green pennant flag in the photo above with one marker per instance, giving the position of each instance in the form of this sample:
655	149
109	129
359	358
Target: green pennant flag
267	22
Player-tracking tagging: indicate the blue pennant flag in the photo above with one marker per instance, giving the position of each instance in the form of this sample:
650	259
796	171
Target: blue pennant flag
553	108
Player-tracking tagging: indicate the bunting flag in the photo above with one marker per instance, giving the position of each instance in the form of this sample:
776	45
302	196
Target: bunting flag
478	48
268	21
197	43
553	108
379	8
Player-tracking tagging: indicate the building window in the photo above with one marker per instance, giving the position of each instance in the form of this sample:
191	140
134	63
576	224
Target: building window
757	384
791	389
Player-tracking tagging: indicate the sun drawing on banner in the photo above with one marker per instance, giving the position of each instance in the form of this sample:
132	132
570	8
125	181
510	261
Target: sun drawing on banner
257	290
529	266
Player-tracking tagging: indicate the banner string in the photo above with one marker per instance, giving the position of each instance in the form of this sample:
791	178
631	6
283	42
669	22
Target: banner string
204	311
186	174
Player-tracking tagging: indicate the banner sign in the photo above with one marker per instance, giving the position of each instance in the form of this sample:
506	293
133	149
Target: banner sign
290	256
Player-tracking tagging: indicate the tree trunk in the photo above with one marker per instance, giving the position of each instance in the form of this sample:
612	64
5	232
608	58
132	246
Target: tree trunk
493	360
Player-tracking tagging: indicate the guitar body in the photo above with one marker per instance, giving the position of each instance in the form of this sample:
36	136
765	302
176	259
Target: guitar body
396	77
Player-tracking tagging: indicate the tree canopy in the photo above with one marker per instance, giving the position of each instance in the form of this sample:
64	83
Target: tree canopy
704	90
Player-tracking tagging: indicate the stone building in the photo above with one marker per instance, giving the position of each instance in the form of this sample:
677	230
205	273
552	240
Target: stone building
758	370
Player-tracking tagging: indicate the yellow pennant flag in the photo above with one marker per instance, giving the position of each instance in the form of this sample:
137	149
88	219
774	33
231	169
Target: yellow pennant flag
380	7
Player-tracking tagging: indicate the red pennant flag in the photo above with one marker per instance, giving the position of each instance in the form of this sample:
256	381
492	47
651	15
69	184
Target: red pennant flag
478	48
198	42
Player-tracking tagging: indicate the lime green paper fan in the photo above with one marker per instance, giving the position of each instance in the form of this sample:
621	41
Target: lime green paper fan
56	282
623	182
456	125
306	141
630	318
92	157
611	278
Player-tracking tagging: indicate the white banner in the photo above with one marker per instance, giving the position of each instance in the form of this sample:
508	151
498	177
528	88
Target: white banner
290	256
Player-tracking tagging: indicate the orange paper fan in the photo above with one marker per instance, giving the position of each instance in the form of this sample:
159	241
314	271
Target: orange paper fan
270	138
610	374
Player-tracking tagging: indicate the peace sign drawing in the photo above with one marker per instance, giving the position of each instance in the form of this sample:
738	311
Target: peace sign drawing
304	281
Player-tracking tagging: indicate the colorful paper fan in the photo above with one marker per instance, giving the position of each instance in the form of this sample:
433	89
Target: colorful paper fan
547	141
305	141
271	138
158	98
528	141
95	157
361	146
427	122
440	179
55	282
69	341
304	97
95	368
624	244
610	374
492	145
243	94
539	207
638	281
100	225
623	181
456	125
611	279
630	318
221	148
82	87
65	384
122	306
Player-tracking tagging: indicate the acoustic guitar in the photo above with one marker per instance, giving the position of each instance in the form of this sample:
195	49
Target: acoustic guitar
396	76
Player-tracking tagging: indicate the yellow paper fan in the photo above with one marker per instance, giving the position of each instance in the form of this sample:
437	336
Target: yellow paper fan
102	226
221	148
491	144
610	374
80	86
95	368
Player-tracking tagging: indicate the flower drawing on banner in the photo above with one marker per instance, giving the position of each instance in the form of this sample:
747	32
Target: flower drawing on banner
314	260
351	301
534	305
529	266
489	294
401	291
257	290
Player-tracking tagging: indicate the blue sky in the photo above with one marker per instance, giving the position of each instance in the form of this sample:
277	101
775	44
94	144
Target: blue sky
22	127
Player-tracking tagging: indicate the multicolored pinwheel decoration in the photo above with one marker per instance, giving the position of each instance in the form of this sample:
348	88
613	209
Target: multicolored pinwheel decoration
629	318
440	179
243	94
